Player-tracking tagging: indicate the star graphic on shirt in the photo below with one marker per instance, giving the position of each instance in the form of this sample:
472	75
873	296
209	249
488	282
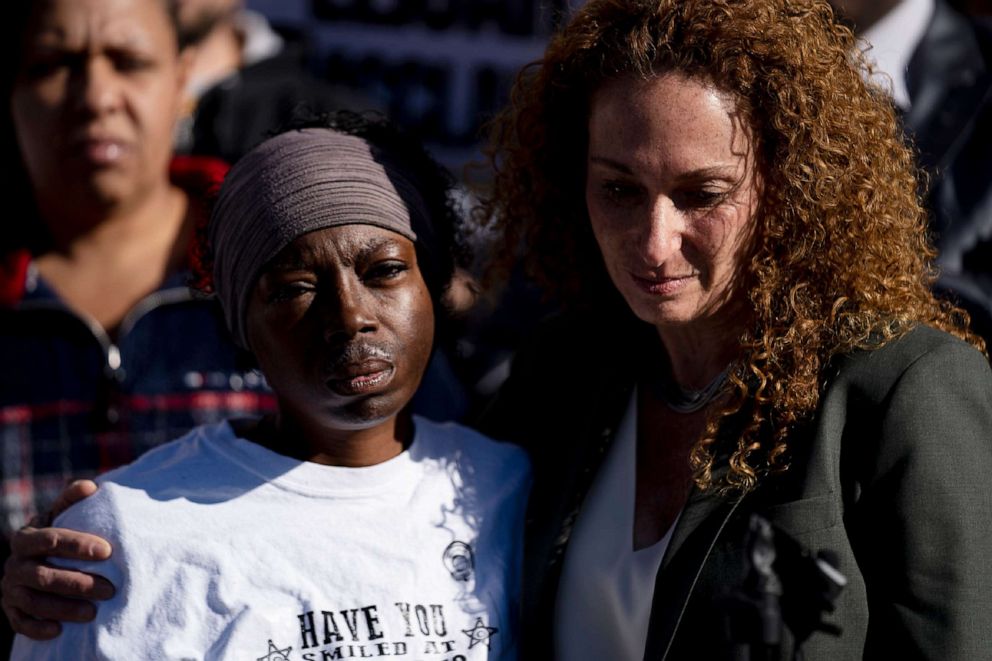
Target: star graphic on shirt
480	633
276	654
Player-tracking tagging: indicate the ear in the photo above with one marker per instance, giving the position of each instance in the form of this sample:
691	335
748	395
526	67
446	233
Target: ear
184	70
461	294
184	105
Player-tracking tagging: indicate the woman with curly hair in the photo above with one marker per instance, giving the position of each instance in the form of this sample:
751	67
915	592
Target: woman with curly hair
733	220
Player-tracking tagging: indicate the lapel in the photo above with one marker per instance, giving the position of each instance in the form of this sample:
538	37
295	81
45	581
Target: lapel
700	524
948	82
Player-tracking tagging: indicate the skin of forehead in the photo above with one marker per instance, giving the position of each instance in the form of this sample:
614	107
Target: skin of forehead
75	24
640	119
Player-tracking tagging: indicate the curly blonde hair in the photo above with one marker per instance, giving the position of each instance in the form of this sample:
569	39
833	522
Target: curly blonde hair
840	258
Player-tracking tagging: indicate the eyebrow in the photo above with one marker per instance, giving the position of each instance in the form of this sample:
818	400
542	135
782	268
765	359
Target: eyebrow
289	263
376	243
295	261
56	37
610	163
711	172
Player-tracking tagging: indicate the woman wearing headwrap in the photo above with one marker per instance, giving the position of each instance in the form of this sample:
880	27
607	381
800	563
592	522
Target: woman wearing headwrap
342	525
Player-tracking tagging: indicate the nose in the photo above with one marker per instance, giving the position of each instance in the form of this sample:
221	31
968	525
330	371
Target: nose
348	313
662	231
97	89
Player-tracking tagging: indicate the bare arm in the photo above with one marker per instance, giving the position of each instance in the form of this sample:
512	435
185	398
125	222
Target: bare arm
38	595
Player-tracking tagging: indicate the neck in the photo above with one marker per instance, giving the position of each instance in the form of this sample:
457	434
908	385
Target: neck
697	356
103	265
156	219
215	57
351	448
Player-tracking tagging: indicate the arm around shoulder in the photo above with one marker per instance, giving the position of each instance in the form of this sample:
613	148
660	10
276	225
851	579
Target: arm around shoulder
78	638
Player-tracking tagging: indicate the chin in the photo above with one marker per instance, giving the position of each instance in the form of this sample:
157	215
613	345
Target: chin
670	312
366	412
104	189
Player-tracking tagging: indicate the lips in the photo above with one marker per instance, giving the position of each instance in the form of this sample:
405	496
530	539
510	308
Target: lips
103	152
99	150
361	378
662	286
359	369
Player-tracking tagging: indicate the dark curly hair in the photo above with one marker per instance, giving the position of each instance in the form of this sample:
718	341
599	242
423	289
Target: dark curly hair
840	258
443	271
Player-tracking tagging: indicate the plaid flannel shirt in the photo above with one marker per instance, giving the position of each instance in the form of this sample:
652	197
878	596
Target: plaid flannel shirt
74	404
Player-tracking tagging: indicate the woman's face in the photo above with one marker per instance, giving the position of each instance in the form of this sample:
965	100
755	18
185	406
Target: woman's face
671	190
95	100
342	325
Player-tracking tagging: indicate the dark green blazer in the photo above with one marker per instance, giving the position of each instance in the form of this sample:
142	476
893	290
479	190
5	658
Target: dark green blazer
894	475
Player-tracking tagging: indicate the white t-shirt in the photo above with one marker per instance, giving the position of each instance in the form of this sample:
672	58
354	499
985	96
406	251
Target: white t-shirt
226	550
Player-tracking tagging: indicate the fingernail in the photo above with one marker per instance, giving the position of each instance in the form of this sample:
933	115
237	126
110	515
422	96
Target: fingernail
103	591
100	550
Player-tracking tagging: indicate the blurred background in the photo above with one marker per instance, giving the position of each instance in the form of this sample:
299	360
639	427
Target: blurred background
438	67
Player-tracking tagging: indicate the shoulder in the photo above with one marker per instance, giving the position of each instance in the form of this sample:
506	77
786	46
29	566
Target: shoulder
926	395
472	452
132	495
458	439
13	276
923	353
187	454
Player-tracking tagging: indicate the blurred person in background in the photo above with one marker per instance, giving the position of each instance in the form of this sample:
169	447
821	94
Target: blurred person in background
104	352
246	80
937	65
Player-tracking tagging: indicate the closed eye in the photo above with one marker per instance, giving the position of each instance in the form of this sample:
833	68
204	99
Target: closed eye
126	61
698	198
45	64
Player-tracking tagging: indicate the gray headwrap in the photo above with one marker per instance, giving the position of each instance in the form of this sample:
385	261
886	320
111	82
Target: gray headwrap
295	183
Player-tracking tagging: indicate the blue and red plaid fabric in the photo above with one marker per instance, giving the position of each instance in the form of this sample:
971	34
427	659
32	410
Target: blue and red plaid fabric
73	404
